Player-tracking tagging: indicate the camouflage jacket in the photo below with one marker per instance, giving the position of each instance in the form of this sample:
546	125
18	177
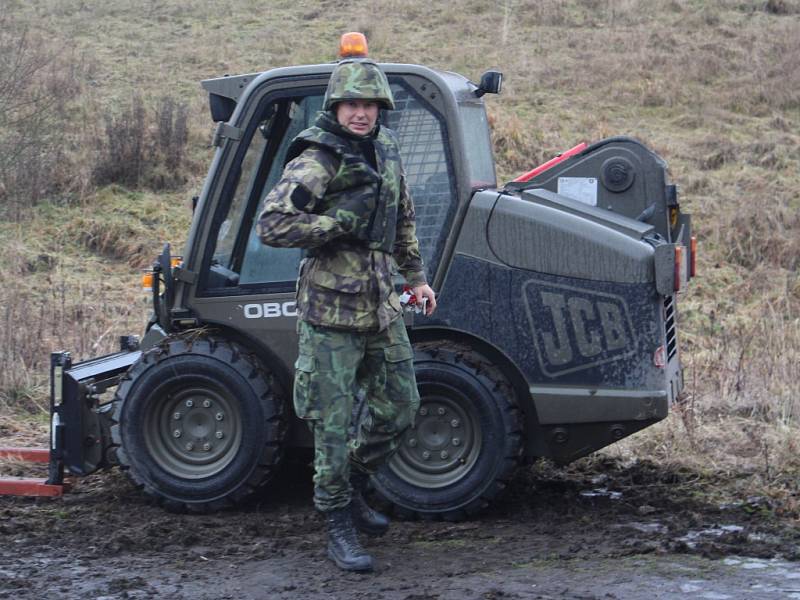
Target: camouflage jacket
357	222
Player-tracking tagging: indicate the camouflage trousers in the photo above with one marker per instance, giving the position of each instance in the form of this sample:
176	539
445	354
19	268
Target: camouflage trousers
332	368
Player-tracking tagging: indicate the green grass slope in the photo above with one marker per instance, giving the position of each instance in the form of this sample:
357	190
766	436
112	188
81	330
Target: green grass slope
712	85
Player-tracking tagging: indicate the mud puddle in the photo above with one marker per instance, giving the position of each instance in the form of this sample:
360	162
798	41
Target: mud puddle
600	529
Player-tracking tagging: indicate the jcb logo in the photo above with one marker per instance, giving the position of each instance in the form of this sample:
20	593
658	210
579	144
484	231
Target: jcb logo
575	329
268	310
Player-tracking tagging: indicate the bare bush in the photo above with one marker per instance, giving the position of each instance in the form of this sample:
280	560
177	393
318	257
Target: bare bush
145	147
35	88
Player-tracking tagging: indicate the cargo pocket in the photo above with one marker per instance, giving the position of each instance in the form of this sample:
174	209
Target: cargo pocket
340	295
398	353
401	384
306	400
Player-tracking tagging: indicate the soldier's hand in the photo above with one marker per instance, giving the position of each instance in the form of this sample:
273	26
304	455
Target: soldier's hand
425	291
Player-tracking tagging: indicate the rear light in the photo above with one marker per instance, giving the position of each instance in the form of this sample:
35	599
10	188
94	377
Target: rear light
678	266
660	357
693	257
147	281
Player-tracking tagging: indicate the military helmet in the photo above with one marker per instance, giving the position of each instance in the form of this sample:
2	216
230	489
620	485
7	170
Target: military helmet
358	79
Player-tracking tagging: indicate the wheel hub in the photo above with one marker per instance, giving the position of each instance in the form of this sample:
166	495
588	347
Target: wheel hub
194	432
442	446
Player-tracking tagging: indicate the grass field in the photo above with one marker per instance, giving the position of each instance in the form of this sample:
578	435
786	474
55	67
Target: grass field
712	85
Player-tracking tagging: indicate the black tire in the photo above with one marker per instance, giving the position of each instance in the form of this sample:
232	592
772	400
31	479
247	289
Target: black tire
198	424
466	442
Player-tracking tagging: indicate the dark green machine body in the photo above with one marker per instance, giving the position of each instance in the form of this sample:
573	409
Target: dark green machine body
555	334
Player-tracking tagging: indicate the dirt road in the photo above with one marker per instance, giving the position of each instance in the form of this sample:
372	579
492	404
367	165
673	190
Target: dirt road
598	530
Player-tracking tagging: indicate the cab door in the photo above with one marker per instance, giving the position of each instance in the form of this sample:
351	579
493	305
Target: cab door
249	288
244	285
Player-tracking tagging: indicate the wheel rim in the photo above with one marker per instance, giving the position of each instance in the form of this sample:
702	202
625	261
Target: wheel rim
193	432
444	443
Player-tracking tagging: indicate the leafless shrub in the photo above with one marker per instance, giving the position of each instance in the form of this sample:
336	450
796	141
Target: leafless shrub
145	147
779	7
36	85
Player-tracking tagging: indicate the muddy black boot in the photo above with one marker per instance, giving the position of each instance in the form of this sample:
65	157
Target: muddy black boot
366	519
343	546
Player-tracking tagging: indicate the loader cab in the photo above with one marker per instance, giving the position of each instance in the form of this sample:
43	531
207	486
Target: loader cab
239	283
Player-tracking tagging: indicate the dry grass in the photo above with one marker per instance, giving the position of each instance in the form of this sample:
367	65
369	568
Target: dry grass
713	86
72	283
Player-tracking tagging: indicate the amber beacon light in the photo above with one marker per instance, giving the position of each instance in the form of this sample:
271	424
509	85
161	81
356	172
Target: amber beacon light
147	281
353	45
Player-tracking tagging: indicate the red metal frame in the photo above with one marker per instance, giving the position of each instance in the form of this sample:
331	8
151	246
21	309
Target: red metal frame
37	455
25	486
22	486
551	163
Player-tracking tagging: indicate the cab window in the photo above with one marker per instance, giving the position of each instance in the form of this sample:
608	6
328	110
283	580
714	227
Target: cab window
239	259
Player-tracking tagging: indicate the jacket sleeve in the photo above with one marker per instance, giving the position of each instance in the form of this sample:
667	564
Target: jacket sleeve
406	246
288	219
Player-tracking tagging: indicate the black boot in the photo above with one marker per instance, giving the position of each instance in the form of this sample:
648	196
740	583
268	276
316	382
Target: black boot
366	519
343	546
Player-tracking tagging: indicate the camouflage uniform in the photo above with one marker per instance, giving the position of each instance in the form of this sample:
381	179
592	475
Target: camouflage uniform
355	215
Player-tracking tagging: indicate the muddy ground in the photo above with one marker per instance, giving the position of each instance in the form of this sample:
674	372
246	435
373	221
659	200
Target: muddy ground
600	529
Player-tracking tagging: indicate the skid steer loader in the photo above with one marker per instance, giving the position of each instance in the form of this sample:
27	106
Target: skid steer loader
556	332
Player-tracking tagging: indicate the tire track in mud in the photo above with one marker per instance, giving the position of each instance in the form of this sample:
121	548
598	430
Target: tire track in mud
599	529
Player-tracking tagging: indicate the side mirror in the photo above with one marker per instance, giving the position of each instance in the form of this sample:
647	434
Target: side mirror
491	83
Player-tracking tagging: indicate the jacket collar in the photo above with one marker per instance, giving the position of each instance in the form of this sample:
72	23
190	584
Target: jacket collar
327	120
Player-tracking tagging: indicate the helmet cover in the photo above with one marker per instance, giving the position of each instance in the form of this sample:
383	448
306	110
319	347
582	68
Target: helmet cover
358	79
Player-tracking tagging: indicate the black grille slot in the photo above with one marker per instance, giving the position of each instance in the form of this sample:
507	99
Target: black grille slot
669	327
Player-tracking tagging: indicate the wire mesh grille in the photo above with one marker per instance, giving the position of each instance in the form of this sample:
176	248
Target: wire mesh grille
428	172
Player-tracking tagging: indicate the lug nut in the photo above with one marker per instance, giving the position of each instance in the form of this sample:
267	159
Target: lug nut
176	433
423	411
189	446
189	403
412	442
455	423
176	416
442	410
456	442
219	435
444	454
206	446
219	416
426	455
206	403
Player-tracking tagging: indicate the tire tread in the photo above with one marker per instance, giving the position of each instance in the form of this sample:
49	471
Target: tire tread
248	365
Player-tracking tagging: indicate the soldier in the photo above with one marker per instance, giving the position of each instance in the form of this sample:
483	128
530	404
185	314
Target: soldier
343	196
